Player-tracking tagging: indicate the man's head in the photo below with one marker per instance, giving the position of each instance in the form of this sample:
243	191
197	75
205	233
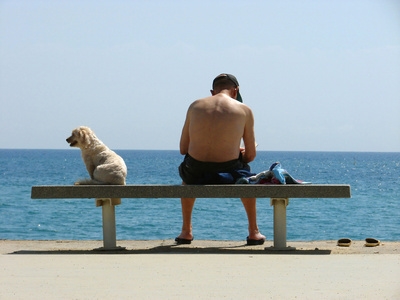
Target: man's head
226	81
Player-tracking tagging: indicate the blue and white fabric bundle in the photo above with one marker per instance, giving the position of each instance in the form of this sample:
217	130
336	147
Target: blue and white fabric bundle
275	175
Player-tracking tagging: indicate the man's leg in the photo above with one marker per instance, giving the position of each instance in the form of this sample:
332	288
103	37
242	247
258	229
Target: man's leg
251	211
187	209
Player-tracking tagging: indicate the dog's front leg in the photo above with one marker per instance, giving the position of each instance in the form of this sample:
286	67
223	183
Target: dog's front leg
90	168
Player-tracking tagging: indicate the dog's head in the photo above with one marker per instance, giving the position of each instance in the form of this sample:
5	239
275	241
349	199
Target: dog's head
81	137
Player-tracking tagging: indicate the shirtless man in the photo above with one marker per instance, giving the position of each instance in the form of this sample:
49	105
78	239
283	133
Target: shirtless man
210	141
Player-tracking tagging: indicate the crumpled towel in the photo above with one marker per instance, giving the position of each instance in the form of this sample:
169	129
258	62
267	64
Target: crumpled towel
275	175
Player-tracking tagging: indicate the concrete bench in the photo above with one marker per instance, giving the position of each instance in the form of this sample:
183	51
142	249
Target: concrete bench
107	196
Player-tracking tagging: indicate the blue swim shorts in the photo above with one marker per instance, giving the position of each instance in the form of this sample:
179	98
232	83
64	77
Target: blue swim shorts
193	171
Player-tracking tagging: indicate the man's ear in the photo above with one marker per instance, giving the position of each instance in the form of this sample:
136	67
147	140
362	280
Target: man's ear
235	92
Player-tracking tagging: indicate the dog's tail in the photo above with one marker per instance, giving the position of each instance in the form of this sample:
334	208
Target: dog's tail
88	182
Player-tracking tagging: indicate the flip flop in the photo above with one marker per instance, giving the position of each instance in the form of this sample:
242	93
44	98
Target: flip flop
251	242
344	242
371	242
181	241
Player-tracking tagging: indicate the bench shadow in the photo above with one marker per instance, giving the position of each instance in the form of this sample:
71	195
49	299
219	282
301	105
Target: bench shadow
187	249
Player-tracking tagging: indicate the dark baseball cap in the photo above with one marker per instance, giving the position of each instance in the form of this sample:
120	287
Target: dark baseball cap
231	78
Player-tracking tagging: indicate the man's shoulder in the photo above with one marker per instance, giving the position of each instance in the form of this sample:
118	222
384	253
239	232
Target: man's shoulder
201	101
243	106
197	103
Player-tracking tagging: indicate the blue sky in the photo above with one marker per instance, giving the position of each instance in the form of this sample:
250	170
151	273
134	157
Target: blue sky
319	75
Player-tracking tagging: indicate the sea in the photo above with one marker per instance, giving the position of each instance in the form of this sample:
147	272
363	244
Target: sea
372	211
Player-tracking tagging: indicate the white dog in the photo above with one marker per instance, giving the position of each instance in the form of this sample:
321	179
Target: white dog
104	165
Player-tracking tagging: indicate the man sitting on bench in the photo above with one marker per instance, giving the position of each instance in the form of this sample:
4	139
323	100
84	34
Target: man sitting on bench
210	141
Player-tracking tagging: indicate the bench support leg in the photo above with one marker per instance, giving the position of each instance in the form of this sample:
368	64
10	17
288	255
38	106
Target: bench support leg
279	205
109	228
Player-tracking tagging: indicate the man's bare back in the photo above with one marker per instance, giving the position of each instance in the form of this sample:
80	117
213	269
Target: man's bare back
214	128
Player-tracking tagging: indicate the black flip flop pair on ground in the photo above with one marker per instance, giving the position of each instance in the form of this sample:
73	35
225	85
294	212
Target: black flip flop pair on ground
369	242
250	242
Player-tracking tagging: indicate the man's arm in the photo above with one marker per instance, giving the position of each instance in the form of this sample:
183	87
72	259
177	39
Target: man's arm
185	139
249	139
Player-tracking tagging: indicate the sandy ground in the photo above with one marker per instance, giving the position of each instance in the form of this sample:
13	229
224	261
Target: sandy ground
203	270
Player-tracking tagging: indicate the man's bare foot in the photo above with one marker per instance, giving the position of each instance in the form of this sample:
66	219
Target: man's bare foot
257	236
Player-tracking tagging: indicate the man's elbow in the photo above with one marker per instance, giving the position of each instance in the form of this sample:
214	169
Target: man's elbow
183	150
249	157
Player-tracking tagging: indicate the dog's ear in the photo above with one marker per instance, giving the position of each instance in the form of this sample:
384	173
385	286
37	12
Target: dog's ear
82	135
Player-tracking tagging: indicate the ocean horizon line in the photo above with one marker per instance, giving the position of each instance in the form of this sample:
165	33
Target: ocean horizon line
294	151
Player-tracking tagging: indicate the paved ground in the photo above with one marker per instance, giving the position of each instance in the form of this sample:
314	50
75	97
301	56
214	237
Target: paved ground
203	270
